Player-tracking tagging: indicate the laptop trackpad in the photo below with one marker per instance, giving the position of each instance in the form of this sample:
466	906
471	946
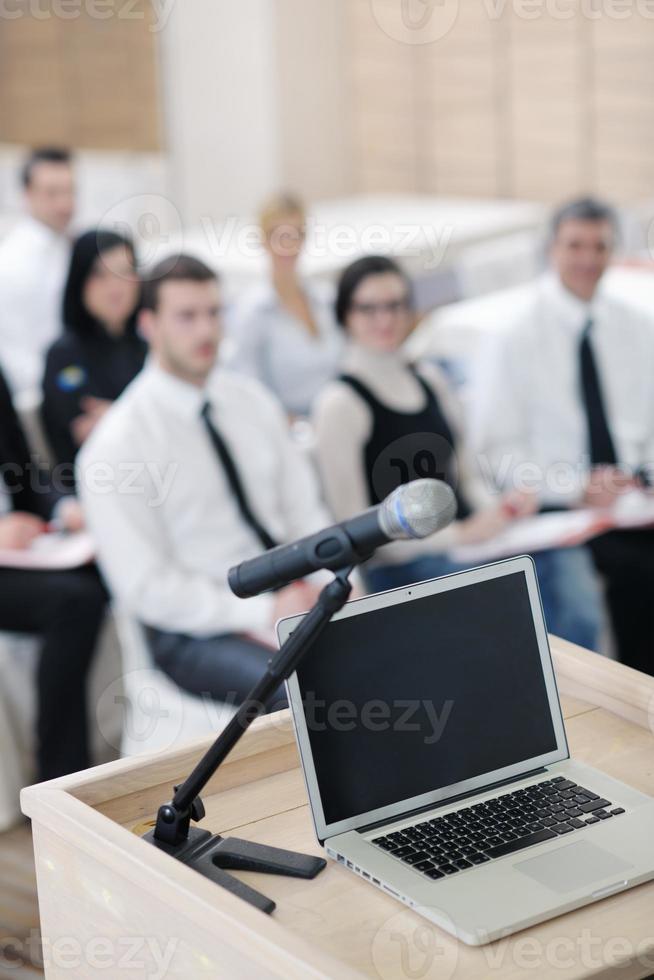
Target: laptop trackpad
573	866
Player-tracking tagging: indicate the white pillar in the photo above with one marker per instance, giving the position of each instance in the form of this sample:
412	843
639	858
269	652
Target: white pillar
255	99
220	105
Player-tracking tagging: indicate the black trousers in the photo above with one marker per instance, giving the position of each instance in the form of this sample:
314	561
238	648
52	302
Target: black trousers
626	560
66	610
224	668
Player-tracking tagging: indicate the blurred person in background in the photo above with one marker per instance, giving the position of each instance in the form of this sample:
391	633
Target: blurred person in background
34	259
214	478
385	421
567	392
100	351
283	330
65	609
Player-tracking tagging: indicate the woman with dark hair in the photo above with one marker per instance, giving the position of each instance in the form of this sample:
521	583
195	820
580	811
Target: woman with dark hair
100	351
386	421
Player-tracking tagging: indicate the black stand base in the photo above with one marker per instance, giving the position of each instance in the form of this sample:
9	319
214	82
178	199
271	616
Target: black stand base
211	856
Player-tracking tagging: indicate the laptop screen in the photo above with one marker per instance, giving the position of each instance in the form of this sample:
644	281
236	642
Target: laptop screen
424	694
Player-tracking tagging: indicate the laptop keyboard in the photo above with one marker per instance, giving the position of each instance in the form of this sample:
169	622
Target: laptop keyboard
476	834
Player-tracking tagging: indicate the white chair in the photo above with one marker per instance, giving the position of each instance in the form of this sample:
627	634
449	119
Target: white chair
157	714
18	656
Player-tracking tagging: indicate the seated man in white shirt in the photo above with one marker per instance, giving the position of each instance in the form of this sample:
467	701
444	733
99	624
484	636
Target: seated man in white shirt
34	259
191	471
565	401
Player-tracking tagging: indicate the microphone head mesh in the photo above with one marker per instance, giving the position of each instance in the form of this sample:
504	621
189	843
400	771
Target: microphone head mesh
417	509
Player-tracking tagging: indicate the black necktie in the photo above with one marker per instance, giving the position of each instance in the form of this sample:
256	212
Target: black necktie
234	480
602	448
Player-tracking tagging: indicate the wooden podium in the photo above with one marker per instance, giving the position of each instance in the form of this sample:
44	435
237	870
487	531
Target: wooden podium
112	905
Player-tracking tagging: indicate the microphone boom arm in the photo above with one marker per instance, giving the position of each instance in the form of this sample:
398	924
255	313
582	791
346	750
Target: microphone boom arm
212	855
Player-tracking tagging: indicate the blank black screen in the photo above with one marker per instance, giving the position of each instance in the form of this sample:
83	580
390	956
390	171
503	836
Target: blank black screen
415	697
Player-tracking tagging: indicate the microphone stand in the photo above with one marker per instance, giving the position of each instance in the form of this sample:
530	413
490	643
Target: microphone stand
213	855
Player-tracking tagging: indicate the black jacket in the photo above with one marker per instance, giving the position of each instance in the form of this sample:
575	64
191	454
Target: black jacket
76	367
30	485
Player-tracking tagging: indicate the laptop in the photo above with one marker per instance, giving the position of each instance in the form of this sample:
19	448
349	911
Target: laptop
436	762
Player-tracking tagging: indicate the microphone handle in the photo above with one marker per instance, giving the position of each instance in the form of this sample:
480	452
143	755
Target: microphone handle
337	547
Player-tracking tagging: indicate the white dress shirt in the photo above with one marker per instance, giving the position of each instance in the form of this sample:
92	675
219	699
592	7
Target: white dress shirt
34	263
270	344
158	502
528	422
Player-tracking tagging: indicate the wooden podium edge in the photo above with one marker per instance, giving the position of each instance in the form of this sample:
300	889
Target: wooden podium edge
154	874
603	683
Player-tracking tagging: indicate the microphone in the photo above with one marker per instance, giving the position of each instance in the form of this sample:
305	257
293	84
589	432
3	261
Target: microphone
414	510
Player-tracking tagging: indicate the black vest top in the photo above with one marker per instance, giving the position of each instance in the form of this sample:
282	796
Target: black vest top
406	446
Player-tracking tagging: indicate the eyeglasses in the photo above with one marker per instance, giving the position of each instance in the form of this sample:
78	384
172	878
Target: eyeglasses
393	308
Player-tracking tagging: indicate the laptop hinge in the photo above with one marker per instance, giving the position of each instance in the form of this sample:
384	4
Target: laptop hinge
449	800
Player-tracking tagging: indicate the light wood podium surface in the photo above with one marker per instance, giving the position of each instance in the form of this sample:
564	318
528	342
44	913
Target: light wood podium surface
114	906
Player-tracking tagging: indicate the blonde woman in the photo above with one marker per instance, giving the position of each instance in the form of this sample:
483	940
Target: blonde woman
284	331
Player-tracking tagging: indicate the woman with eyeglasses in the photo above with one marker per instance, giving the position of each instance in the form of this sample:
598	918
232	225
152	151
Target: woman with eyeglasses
99	352
386	421
283	330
